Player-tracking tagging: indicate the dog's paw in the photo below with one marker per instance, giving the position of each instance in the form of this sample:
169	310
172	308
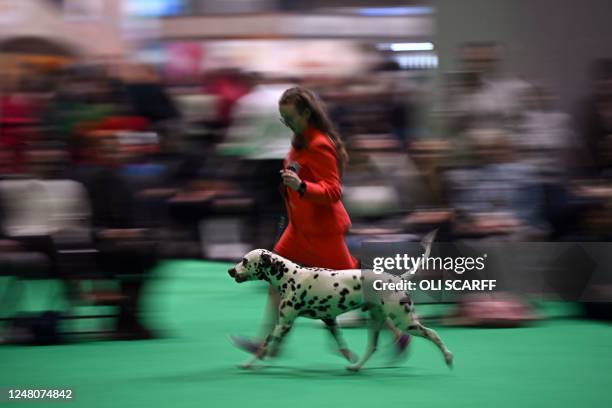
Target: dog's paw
353	367
448	358
248	365
349	355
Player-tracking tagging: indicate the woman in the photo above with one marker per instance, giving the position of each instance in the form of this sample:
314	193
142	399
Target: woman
317	220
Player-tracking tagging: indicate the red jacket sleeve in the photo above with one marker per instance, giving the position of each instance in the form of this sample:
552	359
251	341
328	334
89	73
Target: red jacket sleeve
324	167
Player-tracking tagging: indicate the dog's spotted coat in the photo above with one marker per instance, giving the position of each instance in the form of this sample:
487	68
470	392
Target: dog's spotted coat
324	294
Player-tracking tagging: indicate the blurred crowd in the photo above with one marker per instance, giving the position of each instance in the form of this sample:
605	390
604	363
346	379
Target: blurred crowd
520	167
107	168
503	160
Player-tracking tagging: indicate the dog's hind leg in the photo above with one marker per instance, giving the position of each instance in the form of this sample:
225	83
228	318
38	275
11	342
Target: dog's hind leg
418	329
332	326
377	320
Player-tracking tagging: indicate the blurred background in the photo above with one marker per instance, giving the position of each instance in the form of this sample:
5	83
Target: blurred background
135	132
140	145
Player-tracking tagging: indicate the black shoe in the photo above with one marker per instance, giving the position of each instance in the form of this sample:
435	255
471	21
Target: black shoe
250	346
246	344
401	346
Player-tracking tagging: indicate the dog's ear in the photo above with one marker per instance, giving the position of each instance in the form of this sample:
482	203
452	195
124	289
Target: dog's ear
275	268
266	259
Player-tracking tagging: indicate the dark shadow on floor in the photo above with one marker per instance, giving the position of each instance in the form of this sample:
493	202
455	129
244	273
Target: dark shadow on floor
292	372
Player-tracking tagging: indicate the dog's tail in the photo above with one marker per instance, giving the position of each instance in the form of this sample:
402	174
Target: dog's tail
426	243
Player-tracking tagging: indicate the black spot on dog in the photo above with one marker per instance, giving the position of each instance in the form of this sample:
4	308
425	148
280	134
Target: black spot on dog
344	292
316	276
261	276
357	287
278	269
336	285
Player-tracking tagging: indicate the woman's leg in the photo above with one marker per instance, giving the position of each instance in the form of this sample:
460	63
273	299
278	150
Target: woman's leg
271	314
270	319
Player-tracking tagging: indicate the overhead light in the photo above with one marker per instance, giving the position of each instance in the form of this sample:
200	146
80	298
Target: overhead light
398	47
417	61
425	46
395	11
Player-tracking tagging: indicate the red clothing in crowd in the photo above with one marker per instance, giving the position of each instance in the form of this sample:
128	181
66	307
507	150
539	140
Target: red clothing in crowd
17	117
317	220
229	90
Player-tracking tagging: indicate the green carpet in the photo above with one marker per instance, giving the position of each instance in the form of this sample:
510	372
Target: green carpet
557	363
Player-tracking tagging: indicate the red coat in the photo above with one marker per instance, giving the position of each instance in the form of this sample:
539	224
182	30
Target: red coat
317	220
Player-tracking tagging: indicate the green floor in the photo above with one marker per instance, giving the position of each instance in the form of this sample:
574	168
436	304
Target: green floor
559	363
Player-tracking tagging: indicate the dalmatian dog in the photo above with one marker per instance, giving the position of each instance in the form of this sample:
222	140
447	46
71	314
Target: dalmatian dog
324	294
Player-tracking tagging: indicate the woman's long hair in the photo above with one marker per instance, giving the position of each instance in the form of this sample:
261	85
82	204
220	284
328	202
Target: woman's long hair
303	99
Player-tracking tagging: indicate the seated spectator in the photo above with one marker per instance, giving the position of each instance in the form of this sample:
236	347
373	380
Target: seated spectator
499	195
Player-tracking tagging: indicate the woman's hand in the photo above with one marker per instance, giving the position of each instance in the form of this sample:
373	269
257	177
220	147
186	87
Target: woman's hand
290	179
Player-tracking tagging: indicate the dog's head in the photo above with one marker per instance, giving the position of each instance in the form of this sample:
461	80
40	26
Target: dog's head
255	265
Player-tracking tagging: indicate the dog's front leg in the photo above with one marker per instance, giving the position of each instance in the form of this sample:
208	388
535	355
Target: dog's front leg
272	342
279	333
260	354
